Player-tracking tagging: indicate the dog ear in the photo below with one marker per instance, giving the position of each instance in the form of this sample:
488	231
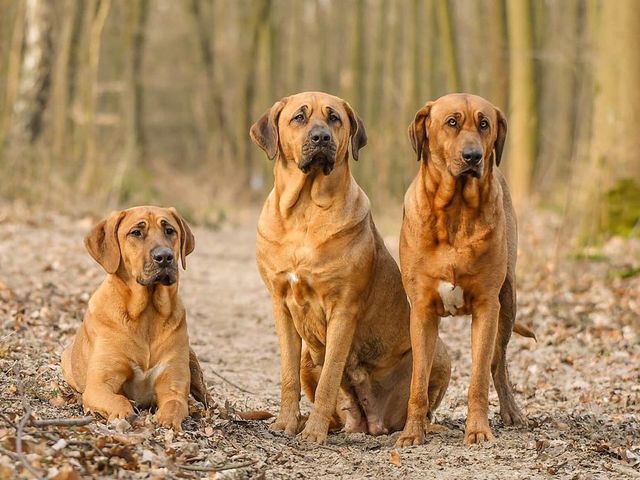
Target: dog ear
358	134
418	130
187	240
501	136
264	132
102	242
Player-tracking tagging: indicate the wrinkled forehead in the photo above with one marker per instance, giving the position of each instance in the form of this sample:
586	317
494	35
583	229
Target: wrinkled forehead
149	216
313	104
468	105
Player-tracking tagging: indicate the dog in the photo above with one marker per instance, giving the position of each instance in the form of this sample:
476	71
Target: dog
133	342
332	281
458	255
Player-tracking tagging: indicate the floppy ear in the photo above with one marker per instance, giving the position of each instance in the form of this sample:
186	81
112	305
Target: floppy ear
358	134
418	129
264	132
187	240
102	242
501	136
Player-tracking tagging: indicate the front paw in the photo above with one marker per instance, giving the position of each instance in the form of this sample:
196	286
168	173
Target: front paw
413	434
477	431
119	407
315	430
289	423
512	417
171	414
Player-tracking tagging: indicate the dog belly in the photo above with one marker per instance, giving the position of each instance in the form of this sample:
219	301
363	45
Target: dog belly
140	388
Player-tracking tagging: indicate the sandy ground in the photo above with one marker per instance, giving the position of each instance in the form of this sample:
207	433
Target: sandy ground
579	384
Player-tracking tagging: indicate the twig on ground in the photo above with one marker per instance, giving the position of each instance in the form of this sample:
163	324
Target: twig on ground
220	468
22	423
62	422
231	383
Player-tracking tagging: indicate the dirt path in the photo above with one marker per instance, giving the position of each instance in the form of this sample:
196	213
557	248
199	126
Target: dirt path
579	385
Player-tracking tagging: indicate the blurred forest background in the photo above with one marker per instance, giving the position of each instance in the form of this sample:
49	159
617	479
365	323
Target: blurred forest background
116	102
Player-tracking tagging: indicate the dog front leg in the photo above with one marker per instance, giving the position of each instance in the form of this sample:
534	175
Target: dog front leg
424	335
340	330
290	351
172	392
484	326
104	384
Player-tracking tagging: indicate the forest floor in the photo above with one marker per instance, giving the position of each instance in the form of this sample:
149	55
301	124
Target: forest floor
579	384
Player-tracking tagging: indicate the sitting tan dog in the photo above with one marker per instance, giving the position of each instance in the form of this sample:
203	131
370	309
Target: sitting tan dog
458	255
133	343
332	281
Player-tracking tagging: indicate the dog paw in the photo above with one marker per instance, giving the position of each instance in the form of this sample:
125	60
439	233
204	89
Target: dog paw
512	417
171	414
413	434
288	424
315	430
121	408
477	431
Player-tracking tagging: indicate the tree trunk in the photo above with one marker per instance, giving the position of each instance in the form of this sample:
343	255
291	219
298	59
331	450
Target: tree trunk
445	27
612	203
522	100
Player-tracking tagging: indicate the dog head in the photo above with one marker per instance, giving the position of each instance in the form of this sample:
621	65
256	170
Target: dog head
459	133
312	129
142	244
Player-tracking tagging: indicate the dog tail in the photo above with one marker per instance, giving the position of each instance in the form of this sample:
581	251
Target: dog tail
524	331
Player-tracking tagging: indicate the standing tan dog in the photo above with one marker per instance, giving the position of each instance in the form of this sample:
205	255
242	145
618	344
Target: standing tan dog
133	343
333	282
458	254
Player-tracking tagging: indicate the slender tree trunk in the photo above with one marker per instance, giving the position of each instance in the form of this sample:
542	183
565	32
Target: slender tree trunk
97	21
358	86
497	54
522	100
35	76
445	27
259	20
609	204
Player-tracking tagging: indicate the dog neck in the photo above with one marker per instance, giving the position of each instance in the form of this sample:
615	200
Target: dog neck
138	299
294	189
456	201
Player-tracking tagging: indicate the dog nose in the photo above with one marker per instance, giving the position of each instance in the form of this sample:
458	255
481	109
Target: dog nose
162	256
320	135
472	155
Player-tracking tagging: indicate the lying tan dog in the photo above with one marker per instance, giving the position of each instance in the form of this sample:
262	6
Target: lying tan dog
133	343
333	282
458	255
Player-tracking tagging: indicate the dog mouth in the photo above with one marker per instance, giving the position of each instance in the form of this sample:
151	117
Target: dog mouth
467	171
318	158
153	275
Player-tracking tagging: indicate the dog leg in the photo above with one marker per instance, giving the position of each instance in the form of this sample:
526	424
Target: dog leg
172	392
340	330
424	335
509	411
197	386
290	348
484	326
102	392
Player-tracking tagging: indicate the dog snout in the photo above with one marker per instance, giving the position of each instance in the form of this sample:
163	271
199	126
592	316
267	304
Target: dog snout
162	256
472	155
320	136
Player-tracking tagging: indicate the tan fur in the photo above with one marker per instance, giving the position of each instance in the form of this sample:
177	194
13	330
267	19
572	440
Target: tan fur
333	282
133	343
460	230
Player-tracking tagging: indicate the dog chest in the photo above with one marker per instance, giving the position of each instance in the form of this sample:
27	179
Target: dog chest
140	387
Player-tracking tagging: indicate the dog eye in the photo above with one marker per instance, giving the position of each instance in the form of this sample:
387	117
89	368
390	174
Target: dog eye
333	117
169	230
452	122
299	117
136	233
484	125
